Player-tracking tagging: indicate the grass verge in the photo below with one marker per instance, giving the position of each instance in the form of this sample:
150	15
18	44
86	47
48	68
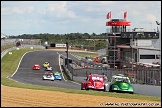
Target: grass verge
6	47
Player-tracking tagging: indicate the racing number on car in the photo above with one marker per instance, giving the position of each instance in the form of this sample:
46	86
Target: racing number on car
96	78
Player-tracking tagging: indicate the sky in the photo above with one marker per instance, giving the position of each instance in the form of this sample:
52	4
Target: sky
63	17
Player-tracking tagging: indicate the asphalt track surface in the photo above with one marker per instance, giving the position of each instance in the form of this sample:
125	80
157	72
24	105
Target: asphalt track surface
26	74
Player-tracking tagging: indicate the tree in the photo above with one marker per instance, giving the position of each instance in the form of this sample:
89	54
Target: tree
93	34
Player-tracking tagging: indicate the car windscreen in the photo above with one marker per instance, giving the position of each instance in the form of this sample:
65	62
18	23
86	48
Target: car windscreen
48	75
57	75
123	79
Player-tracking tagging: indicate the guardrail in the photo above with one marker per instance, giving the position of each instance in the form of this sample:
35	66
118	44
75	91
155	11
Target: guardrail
13	48
6	51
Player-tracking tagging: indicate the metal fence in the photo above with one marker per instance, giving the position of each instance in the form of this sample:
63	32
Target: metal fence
5	42
149	76
8	41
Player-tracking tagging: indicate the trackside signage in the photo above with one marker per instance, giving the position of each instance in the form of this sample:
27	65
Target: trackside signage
60	45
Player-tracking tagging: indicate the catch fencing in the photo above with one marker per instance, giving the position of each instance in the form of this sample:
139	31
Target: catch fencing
5	42
144	75
8	41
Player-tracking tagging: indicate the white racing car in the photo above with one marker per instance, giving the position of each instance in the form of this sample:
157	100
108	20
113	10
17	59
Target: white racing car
48	76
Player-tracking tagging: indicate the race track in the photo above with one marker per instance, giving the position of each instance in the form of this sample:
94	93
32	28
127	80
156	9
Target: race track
20	97
26	74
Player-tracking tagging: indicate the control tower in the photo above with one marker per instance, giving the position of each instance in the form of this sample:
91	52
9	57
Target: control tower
127	48
116	26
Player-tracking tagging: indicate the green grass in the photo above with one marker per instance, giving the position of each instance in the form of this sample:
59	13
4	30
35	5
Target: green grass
6	47
85	55
9	65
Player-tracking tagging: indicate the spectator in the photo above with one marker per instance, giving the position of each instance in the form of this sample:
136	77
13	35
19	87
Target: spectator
87	75
104	76
133	80
160	83
148	80
154	81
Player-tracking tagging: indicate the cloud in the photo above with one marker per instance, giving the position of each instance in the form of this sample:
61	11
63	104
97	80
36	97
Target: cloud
74	15
60	10
151	18
30	9
17	7
16	10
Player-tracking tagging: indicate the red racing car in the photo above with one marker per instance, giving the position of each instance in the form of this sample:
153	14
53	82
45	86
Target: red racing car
93	81
36	67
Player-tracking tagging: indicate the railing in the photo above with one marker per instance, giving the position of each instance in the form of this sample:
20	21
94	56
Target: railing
147	76
13	48
5	42
8	41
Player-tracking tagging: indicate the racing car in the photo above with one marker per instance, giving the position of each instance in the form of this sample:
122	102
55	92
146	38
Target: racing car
121	83
36	67
57	75
48	76
93	81
45	64
48	68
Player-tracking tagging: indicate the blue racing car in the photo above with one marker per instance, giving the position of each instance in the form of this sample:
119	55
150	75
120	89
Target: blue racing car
57	76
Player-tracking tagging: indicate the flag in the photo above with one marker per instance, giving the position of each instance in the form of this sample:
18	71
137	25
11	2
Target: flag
125	15
109	15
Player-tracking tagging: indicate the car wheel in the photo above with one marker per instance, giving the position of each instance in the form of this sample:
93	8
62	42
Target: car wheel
104	88
110	89
131	92
87	87
81	87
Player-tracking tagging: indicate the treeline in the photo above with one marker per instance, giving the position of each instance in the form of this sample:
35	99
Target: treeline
77	39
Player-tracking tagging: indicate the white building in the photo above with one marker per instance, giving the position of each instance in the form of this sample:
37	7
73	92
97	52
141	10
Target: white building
148	50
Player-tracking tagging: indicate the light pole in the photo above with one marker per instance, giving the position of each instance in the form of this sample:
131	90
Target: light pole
114	48
67	53
132	49
72	70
